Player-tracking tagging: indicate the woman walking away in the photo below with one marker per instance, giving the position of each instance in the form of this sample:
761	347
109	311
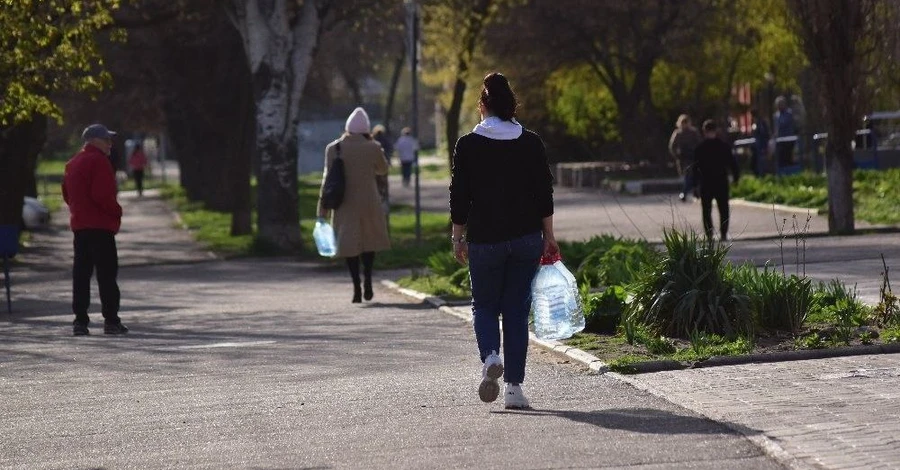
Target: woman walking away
501	205
359	223
138	163
682	144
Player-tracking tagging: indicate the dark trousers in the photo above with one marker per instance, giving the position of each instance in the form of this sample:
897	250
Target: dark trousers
95	249
139	181
501	285
721	198
406	170
784	151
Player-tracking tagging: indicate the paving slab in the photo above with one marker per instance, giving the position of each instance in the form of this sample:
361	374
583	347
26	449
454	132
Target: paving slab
828	413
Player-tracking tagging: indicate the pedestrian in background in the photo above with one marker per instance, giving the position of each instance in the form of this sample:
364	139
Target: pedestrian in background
784	127
682	143
379	133
714	160
359	223
406	147
759	151
89	189
501	205
137	162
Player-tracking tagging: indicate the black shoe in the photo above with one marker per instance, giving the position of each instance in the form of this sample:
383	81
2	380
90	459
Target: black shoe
357	295
367	293
114	329
80	329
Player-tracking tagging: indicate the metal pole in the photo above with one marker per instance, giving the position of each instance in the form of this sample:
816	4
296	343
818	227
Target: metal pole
414	65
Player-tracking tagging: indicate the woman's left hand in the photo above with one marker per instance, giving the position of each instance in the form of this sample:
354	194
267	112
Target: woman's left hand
461	252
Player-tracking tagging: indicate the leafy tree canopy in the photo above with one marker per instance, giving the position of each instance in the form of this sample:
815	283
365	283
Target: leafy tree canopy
49	46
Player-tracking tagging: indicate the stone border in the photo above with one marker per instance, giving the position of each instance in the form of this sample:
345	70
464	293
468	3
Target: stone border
778	207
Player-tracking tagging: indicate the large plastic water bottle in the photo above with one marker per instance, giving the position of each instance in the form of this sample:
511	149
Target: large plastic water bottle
323	234
555	301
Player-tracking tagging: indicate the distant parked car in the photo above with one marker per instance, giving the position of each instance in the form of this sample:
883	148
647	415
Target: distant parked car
35	215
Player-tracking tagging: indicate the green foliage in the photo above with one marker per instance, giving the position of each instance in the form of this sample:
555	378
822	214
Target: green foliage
660	346
704	346
574	253
618	264
49	46
579	101
802	190
602	312
811	341
848	316
874	192
443	263
434	285
778	302
826	296
688	290
891	335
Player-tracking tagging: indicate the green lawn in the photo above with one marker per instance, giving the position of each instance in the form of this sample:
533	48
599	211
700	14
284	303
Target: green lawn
875	193
212	228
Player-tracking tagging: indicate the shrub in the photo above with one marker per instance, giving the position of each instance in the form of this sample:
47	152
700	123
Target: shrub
687	290
778	302
617	264
602	312
443	263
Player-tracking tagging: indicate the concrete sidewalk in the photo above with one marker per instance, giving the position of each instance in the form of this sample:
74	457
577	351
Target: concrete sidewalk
266	364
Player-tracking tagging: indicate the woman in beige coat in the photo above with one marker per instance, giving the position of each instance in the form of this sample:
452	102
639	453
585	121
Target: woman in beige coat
359	223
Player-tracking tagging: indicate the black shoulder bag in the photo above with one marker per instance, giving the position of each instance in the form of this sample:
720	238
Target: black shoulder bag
333	190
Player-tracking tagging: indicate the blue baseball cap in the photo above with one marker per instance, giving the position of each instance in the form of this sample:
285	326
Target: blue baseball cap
96	131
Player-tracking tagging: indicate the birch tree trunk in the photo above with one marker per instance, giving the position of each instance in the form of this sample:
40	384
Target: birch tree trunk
279	39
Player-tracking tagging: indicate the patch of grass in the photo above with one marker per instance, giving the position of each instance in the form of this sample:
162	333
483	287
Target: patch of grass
704	346
430	171
875	194
435	285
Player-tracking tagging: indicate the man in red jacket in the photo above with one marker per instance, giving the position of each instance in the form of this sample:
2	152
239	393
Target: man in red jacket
89	188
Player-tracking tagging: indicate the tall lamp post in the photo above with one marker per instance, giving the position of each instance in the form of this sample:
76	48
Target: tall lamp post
412	18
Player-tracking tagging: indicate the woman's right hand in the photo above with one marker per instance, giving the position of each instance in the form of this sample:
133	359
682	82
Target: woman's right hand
461	252
550	245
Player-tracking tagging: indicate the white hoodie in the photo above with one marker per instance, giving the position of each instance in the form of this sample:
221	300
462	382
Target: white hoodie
495	128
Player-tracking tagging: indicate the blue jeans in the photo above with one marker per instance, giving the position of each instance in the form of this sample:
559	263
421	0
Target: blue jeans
501	284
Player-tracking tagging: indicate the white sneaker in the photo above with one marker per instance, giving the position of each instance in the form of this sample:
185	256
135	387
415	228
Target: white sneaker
515	398
491	371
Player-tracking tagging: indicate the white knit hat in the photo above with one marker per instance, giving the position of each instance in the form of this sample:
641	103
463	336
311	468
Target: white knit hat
358	122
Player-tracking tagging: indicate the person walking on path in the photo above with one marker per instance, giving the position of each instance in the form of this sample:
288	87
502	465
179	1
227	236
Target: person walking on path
359	223
379	133
137	162
406	147
784	127
501	206
682	143
713	162
89	189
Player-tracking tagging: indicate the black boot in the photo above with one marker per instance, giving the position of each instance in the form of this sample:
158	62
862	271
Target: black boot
368	294
368	258
357	294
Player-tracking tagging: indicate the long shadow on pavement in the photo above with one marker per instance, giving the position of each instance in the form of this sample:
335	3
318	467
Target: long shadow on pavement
640	420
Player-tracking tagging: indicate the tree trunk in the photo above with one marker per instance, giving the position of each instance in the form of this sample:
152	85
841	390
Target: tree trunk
840	191
392	91
453	113
279	49
18	144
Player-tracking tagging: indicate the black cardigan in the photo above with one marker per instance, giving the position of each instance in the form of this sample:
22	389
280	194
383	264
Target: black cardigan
500	189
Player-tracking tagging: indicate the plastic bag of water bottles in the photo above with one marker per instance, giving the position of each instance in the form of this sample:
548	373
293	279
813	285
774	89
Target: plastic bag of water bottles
555	301
323	234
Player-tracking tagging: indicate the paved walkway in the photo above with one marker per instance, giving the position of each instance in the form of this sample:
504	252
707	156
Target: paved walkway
266	364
